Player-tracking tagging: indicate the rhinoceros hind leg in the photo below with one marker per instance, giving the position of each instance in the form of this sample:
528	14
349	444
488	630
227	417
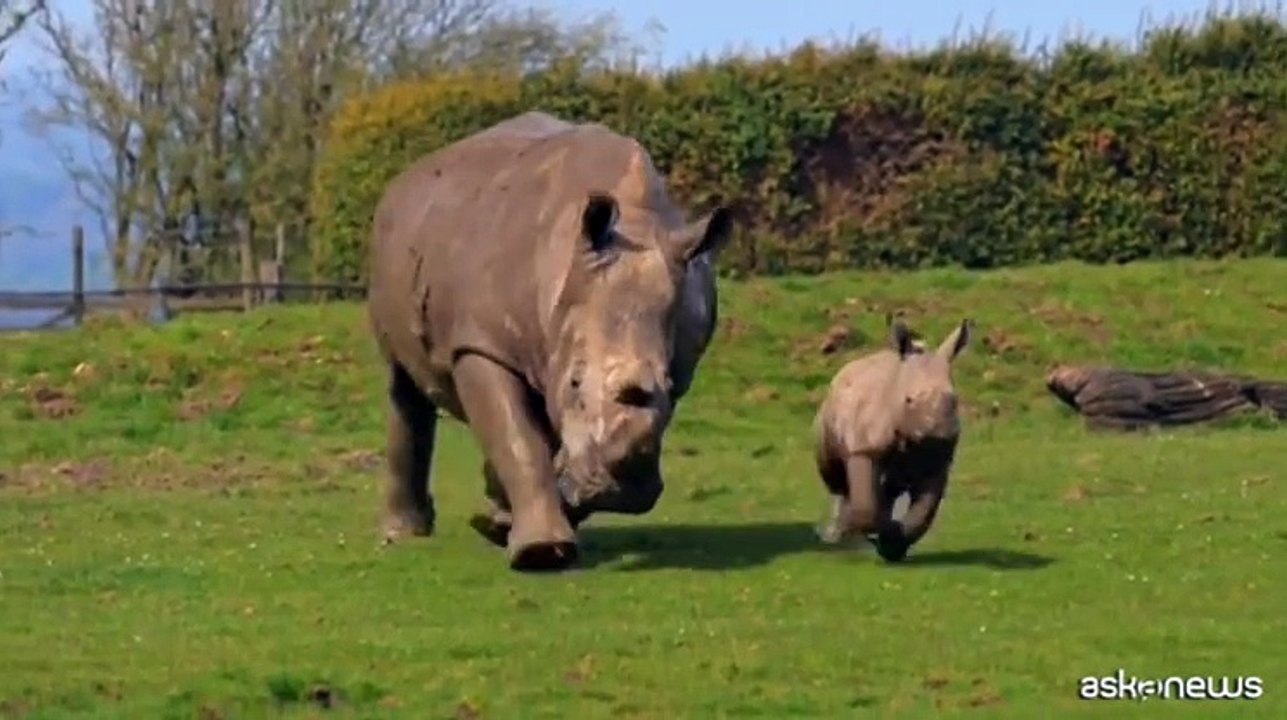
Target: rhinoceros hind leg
505	423
831	470
832	532
410	431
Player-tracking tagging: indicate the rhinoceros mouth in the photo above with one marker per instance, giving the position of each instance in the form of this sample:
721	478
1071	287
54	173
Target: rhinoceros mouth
629	486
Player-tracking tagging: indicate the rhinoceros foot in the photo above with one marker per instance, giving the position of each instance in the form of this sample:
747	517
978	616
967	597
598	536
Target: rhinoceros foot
892	546
535	544
540	542
543	556
400	525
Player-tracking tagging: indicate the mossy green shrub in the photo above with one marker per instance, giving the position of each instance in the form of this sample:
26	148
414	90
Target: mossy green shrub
975	155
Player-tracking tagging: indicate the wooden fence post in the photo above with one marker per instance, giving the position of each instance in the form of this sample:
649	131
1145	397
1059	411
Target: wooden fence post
170	278
279	260
78	274
246	241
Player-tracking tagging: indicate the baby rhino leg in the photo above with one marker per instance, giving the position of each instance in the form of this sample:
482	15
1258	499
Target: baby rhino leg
867	511
899	537
832	472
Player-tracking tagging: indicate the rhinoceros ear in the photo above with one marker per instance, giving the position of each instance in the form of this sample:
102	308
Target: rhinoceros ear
953	344
900	336
706	235
598	219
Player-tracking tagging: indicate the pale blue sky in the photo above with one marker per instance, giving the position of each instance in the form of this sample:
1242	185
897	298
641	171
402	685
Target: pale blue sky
696	26
34	192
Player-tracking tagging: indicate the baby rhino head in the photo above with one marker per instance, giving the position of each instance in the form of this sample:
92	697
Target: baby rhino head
924	386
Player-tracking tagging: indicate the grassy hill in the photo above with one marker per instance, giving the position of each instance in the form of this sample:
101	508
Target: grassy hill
189	511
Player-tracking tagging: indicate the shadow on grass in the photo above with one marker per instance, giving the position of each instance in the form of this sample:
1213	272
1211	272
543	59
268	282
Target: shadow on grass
992	558
696	547
733	547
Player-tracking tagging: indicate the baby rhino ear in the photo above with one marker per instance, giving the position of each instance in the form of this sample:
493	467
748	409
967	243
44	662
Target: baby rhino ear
954	343
900	336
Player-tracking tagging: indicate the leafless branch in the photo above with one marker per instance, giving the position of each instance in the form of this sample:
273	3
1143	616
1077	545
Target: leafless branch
203	114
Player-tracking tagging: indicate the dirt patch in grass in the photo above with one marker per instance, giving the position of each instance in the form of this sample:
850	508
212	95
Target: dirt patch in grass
44	399
163	470
198	404
1059	313
839	337
983	695
914	310
1003	343
1280	350
761	394
157	471
732	328
362	459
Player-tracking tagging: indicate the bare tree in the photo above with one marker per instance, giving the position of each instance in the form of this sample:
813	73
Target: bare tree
525	40
120	84
14	16
328	49
206	114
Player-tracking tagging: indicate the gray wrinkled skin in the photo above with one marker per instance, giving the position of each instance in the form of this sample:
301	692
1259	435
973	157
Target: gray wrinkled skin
889	426
535	281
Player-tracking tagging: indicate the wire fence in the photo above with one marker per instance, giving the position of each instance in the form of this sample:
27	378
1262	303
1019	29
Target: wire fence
262	281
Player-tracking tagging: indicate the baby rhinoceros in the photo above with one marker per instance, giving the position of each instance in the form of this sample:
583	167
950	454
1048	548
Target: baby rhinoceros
889	426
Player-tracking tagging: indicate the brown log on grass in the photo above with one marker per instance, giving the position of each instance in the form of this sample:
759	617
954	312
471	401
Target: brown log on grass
1272	395
1113	398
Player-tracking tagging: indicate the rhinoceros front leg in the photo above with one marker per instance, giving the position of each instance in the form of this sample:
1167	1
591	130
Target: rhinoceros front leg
410	428
868	508
926	496
859	502
506	426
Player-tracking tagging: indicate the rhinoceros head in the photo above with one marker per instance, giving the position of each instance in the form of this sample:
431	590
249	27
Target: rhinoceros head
609	393
924	384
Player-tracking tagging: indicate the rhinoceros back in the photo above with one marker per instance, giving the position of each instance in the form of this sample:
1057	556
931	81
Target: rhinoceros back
859	412
471	243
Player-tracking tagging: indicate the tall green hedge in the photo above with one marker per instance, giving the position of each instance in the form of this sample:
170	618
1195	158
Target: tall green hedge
976	155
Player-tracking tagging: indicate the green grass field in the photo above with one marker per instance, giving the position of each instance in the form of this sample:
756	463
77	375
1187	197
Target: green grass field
188	525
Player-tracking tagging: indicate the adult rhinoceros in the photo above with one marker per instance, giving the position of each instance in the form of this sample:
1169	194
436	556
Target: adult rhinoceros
536	282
